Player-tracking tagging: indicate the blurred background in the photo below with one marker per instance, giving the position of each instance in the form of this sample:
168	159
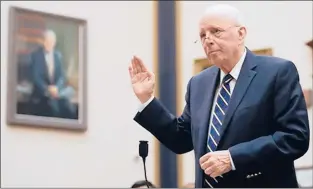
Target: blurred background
106	155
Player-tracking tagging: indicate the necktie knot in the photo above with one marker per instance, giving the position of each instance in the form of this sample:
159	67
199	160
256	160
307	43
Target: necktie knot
227	79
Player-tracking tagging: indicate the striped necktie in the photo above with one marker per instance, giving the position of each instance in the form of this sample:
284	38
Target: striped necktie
219	112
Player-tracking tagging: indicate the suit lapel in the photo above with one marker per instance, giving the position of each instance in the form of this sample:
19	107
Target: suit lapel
242	84
44	61
55	64
209	86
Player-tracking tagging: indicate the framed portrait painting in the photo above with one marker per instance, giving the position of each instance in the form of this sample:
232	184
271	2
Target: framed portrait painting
46	70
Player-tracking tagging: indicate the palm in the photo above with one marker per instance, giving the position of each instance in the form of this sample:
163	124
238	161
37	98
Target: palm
142	80
142	83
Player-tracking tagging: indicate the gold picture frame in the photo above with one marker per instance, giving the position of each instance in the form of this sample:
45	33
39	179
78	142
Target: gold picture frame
202	63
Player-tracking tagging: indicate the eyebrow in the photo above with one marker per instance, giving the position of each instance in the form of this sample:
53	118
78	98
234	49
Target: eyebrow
211	27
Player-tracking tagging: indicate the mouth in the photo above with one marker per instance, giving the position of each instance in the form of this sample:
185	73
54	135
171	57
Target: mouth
212	52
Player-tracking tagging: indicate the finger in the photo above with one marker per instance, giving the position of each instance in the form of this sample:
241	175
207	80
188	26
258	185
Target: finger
141	64
143	68
130	70
144	76
134	67
204	158
138	66
209	170
210	162
206	165
215	173
151	76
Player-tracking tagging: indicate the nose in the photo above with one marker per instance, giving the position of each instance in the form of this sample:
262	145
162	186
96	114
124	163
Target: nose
208	41
208	38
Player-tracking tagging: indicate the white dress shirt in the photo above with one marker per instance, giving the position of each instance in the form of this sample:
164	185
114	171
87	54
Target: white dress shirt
50	63
234	73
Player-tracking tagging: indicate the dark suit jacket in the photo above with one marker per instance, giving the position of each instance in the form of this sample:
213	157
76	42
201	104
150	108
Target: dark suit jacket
265	129
40	73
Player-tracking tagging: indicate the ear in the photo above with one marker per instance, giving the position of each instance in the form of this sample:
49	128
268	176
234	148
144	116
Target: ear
242	32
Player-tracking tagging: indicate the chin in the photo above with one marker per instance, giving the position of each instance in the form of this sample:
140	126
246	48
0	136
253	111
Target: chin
215	57
216	60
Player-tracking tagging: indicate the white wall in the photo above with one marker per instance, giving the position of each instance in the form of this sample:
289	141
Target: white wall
283	26
104	155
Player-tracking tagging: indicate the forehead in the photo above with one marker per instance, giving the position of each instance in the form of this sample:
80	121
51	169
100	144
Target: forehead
215	21
50	38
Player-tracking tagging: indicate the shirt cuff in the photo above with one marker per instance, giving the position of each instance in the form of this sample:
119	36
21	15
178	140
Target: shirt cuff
144	105
231	161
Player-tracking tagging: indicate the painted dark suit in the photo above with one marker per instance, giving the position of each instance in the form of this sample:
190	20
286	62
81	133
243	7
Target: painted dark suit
45	104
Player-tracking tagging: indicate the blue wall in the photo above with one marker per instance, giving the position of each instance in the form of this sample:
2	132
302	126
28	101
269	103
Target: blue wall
167	83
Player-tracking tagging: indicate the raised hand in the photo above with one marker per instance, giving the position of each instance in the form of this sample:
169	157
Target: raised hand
142	80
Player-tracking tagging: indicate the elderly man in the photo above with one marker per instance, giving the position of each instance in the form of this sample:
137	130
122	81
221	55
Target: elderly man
50	86
245	117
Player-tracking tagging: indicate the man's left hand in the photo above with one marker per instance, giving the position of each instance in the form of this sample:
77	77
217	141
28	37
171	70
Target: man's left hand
216	163
53	91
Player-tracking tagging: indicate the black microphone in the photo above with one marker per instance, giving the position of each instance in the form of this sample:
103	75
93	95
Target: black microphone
143	153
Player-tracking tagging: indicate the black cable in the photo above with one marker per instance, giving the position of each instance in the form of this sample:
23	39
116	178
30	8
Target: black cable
144	167
143	153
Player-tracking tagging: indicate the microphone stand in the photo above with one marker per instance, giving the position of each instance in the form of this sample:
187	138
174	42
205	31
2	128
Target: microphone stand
144	168
143	153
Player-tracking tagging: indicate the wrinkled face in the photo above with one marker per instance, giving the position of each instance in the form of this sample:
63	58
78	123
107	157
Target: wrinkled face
220	37
49	43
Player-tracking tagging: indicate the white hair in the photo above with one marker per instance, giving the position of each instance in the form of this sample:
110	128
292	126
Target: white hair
226	11
49	34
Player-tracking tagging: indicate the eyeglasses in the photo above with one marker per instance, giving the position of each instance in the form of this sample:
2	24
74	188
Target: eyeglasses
215	32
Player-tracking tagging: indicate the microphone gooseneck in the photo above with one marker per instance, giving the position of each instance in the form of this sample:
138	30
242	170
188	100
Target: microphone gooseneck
143	153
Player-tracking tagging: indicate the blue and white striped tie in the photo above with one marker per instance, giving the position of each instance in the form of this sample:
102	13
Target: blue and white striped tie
219	112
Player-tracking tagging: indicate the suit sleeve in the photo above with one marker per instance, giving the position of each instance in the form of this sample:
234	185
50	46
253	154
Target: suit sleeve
61	82
174	133
291	137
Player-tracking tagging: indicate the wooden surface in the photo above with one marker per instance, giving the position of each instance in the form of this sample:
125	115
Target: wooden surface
203	63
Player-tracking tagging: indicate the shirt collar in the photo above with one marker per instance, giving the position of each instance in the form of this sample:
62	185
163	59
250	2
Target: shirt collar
236	70
48	52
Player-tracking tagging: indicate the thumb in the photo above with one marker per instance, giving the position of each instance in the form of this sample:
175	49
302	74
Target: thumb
151	76
144	76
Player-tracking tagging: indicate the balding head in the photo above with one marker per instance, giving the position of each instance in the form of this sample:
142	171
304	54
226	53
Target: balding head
49	34
222	33
49	40
226	12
